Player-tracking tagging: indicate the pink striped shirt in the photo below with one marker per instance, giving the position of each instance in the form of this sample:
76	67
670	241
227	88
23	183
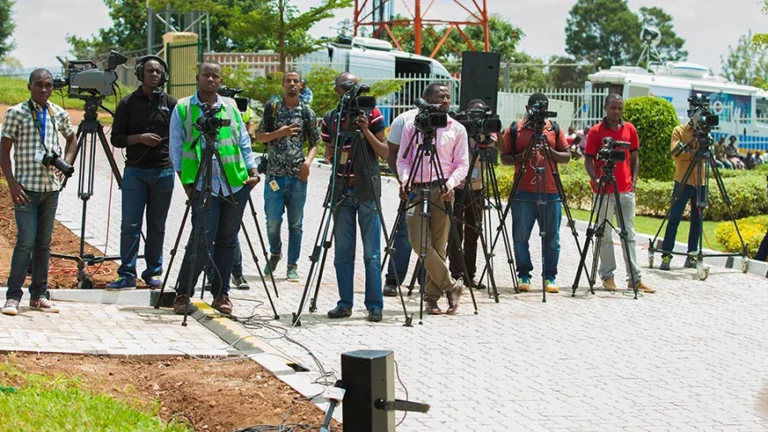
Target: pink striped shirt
452	152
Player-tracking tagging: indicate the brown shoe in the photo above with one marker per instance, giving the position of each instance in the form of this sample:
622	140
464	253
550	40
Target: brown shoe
432	307
223	304
180	305
454	296
642	287
609	284
43	305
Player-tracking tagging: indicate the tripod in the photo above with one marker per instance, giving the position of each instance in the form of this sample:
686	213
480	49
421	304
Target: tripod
427	150
539	140
89	130
205	174
491	200
338	191
597	229
704	159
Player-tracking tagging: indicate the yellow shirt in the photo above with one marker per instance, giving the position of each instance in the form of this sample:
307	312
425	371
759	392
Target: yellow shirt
684	134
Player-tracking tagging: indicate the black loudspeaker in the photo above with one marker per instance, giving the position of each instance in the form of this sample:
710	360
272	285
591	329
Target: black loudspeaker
368	376
479	78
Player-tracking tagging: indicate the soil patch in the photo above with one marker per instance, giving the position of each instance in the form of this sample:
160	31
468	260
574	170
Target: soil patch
62	273
215	395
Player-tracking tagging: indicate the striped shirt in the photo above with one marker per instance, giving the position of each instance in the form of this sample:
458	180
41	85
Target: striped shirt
19	125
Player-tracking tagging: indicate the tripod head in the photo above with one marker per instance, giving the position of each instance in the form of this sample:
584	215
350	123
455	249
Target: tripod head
209	124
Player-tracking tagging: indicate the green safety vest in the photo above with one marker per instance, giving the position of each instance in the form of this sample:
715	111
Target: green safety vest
227	142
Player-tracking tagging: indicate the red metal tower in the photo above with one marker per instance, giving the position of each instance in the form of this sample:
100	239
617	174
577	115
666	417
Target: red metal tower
478	16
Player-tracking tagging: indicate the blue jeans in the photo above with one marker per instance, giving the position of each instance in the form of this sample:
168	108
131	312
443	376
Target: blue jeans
149	188
291	196
687	195
346	239
34	222
237	263
524	215
402	256
218	231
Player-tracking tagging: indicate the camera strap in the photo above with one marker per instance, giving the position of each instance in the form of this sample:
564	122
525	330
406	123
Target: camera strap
40	118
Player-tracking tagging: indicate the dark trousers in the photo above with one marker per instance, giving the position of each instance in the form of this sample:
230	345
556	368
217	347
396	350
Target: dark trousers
34	223
218	231
762	252
467	203
688	195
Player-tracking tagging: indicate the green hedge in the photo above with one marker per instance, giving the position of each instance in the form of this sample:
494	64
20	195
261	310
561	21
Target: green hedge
654	119
752	231
747	193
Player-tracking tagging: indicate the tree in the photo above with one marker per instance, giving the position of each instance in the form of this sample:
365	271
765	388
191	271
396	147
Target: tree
671	45
568	76
747	63
6	27
607	32
519	74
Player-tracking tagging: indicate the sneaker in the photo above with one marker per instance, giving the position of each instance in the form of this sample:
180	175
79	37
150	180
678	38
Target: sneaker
524	284
222	304
339	312
665	260
292	275
690	261
240	283
122	284
11	307
154	282
551	286
271	264
43	305
180	304
642	287
609	284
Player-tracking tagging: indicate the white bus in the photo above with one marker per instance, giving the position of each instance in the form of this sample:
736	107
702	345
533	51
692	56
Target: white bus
743	110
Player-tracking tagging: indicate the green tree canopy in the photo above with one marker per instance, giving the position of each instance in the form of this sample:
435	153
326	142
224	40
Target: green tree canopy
608	32
747	63
7	25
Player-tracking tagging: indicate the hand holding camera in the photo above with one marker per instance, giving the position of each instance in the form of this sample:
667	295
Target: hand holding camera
290	130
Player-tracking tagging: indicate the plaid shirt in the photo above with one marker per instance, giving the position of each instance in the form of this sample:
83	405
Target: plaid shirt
19	125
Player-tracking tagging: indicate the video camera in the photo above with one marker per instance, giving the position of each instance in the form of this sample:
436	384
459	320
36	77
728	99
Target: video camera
698	111
479	123
208	123
430	117
86	81
354	104
539	113
242	103
612	150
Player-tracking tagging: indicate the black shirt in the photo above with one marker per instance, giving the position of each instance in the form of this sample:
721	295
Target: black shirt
136	114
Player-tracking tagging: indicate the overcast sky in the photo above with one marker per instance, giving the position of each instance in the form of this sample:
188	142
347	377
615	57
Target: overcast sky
708	27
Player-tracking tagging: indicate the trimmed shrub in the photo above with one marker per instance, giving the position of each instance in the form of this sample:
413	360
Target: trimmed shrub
654	119
752	231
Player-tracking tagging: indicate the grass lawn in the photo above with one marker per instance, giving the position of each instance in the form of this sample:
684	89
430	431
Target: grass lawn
648	226
31	402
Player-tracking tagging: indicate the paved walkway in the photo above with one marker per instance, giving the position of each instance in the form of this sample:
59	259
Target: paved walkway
690	357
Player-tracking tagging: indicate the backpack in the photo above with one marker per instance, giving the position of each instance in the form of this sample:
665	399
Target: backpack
270	113
513	135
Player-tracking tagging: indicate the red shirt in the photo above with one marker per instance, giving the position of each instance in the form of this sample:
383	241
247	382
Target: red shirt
530	181
625	132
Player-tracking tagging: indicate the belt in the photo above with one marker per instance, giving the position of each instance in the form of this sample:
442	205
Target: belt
433	184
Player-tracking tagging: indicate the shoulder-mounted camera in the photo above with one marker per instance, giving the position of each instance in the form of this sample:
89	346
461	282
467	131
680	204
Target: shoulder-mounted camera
430	117
86	81
479	123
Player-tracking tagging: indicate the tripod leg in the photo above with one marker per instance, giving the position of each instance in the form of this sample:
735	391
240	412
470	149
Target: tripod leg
326	247
502	227
173	252
263	247
629	262
256	260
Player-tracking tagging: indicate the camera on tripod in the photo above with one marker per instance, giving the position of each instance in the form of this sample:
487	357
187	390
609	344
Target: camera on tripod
430	117
479	123
354	104
539	113
51	158
701	117
208	123
242	103
86	81
612	150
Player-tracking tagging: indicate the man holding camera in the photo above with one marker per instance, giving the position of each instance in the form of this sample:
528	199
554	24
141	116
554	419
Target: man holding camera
626	170
286	125
536	186
357	162
684	135
141	126
469	211
34	183
222	217
450	150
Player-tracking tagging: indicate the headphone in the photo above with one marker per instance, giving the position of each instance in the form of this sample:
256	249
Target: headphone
140	68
